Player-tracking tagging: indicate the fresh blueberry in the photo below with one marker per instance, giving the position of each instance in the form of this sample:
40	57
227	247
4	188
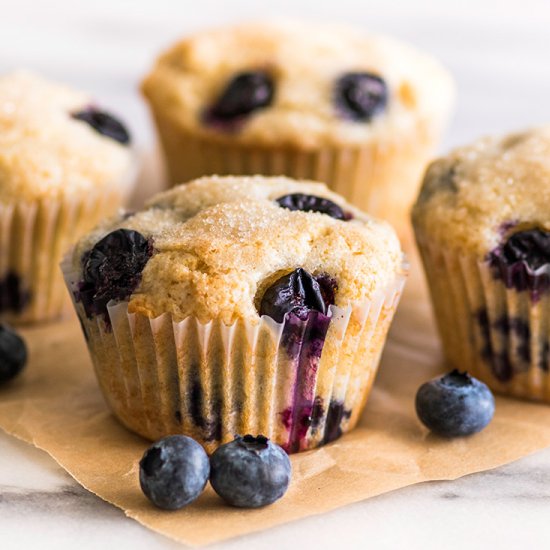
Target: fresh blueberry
173	472
455	404
13	353
250	472
298	292
112	269
104	123
360	96
245	93
311	203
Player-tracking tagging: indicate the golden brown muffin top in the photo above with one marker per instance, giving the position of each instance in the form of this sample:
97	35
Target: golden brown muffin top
220	241
477	194
304	61
44	151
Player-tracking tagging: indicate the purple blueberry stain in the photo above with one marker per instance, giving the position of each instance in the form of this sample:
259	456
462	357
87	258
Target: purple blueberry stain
14	296
499	363
112	270
311	203
211	427
522	262
311	416
103	123
336	415
521	330
360	96
301	301
303	340
514	353
244	94
306	364
317	413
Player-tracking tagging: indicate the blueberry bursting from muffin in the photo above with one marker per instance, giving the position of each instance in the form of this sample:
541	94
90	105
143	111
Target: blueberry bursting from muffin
522	263
112	270
356	96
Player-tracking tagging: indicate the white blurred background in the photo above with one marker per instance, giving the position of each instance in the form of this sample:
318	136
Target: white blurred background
499	51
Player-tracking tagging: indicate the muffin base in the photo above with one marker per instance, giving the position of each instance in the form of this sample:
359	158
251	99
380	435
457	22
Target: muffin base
497	334
33	238
212	381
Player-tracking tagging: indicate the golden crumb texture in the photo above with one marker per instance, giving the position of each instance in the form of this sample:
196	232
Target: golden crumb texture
470	197
44	152
305	60
219	242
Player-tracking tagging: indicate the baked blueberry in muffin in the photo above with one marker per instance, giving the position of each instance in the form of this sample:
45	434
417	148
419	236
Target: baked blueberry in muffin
111	270
236	309
306	100
485	241
244	94
522	261
104	123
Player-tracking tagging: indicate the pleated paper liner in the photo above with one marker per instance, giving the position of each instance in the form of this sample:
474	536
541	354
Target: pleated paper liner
496	333
33	238
381	179
300	383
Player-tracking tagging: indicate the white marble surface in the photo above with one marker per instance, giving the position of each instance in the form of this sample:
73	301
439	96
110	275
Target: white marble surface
498	50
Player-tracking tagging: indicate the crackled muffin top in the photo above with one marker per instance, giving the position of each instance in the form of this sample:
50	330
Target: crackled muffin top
54	141
298	83
478	196
214	247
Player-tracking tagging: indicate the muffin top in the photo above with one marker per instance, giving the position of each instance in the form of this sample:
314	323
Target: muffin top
478	196
54	141
213	247
299	84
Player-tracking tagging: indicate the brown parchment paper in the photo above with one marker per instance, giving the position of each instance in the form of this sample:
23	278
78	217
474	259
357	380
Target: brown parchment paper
56	406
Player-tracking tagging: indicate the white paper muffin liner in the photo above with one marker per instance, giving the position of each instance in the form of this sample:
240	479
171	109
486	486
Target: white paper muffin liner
212	381
497	334
379	178
34	236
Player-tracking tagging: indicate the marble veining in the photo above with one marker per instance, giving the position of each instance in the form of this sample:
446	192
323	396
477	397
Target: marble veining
72	500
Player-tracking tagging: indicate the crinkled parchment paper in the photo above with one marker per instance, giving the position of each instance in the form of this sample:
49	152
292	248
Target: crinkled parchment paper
56	405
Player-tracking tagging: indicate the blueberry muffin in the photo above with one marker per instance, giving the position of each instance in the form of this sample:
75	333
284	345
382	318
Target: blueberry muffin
236	305
63	165
310	101
482	224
